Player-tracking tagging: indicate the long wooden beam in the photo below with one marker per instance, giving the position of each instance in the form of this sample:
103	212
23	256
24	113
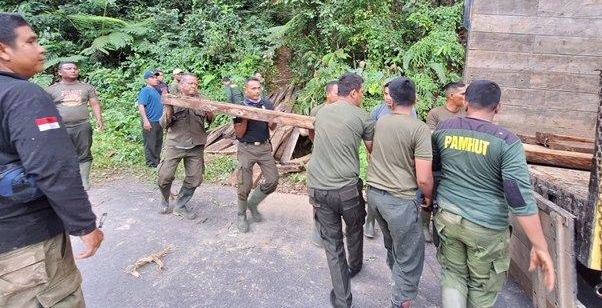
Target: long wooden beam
541	155
241	111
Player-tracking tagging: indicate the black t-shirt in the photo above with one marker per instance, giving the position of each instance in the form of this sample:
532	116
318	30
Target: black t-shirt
33	132
257	131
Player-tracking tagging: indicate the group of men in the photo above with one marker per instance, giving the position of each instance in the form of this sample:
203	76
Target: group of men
478	169
461	166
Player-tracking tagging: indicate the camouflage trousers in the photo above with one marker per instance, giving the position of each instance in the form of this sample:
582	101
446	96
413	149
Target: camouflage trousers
41	275
474	259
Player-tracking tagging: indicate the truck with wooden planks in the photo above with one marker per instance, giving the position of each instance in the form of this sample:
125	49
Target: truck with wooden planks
546	56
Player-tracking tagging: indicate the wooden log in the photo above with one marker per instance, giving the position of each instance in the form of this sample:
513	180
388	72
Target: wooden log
527	139
215	134
289	146
289	168
301	160
545	138
279	136
541	155
219	145
572	146
234	110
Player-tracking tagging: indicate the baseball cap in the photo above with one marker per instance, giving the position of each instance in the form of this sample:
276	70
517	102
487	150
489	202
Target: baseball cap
177	71
149	74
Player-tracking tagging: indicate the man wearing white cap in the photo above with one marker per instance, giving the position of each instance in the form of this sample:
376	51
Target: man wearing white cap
173	87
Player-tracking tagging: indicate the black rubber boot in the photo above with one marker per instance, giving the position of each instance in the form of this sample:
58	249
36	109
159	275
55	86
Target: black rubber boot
165	194
183	197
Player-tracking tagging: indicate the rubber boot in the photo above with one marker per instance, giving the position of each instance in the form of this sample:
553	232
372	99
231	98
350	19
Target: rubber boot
183	198
426	223
253	201
164	205
241	219
452	298
84	171
369	227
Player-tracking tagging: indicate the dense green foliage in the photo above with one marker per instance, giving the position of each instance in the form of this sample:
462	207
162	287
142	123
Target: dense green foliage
306	42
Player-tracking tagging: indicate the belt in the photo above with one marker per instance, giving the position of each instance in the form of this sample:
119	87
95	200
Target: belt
255	143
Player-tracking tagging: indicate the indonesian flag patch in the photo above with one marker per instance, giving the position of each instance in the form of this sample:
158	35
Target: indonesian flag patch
47	123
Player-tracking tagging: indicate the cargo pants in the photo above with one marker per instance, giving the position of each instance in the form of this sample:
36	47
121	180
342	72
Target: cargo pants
41	275
329	206
248	155
399	220
153	142
474	259
194	166
81	136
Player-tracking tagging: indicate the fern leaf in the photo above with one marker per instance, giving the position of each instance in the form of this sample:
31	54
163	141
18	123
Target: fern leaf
439	71
93	22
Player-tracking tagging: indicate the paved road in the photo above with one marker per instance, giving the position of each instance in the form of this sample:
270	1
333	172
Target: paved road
212	265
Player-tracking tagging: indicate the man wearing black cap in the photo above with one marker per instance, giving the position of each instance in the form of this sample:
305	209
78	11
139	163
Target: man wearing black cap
37	267
151	109
401	163
484	177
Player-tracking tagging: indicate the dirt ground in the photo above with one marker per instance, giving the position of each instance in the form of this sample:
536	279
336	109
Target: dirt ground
212	265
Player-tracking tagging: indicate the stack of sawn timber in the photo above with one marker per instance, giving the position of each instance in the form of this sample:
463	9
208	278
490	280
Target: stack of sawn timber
559	150
284	139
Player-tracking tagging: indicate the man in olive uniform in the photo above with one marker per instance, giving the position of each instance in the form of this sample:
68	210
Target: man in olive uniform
233	93
334	186
254	147
331	95
401	162
72	98
37	265
186	137
484	177
455	106
173	87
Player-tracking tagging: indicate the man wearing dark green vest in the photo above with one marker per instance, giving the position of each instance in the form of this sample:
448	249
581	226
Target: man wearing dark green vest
484	177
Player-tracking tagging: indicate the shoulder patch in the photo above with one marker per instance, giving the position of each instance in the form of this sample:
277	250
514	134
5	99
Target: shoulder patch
47	123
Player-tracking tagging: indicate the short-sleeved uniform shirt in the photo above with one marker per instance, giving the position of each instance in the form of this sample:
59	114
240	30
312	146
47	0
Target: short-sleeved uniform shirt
71	100
483	172
339	128
315	110
440	114
151	100
257	131
398	141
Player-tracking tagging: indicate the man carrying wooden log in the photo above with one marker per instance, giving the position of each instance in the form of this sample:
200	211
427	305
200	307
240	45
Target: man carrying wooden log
334	186
484	177
186	137
401	163
254	147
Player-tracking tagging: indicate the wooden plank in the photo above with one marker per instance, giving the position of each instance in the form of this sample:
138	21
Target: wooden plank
572	146
219	145
567	45
525	79
544	156
280	135
570	8
289	146
544	63
216	134
542	25
545	138
550	99
530	139
241	111
301	160
530	119
506	7
501	41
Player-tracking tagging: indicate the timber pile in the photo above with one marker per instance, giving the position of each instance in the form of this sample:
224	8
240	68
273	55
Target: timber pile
559	150
284	139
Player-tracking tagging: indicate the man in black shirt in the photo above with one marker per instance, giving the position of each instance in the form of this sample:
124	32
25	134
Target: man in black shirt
254	147
37	267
